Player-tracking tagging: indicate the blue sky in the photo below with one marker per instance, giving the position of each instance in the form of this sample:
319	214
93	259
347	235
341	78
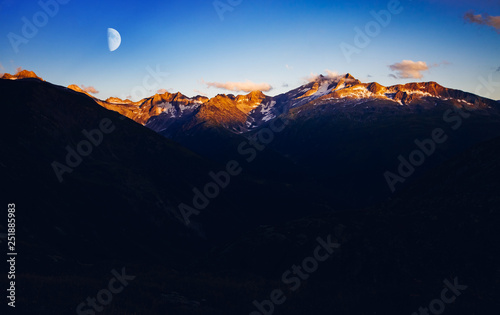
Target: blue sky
278	43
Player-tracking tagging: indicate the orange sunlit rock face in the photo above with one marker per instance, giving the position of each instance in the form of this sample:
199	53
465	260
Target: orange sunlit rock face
23	74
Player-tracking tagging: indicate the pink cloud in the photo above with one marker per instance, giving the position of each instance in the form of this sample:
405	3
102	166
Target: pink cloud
493	21
246	86
407	69
89	89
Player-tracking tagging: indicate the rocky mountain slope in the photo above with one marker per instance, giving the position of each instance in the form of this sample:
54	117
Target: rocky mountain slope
102	180
341	134
244	113
117	206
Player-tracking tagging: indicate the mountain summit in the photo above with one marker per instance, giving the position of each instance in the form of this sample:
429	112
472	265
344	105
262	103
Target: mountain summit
23	74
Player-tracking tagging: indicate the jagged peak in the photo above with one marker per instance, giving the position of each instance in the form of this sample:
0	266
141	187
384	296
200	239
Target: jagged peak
22	74
76	88
117	100
376	88
178	95
200	98
420	85
224	96
348	76
254	95
160	97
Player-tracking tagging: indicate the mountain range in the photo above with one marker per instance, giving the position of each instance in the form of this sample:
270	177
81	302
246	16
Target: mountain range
313	162
328	120
244	113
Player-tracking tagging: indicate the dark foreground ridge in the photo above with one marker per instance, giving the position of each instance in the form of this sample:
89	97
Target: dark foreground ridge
317	232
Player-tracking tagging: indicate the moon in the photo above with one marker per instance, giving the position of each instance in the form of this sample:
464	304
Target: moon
114	39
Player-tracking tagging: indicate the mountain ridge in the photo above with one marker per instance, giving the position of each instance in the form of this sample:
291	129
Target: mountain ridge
242	113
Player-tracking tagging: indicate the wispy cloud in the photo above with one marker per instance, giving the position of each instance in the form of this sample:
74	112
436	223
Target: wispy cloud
328	74
407	69
161	91
493	21
311	77
89	89
288	67
331	74
246	86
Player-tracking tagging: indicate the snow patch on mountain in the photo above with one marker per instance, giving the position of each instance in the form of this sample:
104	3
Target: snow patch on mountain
418	92
267	111
323	89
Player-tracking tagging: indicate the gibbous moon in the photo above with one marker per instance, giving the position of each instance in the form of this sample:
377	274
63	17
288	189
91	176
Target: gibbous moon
114	39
